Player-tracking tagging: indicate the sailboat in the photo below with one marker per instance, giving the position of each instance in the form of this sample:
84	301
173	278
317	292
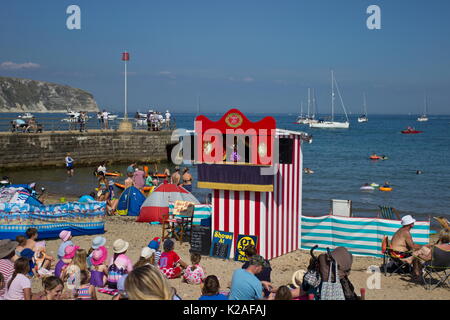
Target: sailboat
332	123
301	118
363	117
424	117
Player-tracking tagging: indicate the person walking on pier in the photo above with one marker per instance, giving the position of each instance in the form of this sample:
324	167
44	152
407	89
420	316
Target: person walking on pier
69	164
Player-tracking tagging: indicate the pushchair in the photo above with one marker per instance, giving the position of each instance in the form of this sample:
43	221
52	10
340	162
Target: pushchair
318	272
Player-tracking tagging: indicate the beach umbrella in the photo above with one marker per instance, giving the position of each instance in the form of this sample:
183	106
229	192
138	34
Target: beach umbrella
157	203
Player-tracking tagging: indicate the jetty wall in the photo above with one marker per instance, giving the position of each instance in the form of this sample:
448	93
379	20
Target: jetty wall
48	149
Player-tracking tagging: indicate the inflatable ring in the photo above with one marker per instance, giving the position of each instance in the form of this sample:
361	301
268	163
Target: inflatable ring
386	189
375	158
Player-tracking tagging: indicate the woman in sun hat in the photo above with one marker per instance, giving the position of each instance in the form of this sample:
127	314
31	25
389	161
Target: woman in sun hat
99	270
120	263
97	242
66	237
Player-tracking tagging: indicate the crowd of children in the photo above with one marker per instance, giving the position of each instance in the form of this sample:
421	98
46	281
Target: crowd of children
79	274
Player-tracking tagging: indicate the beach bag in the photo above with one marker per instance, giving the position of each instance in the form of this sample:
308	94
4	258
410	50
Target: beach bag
312	278
332	290
114	274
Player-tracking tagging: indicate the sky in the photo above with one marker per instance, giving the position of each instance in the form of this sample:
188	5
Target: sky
258	55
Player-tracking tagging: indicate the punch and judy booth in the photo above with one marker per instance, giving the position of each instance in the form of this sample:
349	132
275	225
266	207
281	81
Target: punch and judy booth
256	191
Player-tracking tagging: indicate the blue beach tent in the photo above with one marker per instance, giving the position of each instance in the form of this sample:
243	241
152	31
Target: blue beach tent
130	202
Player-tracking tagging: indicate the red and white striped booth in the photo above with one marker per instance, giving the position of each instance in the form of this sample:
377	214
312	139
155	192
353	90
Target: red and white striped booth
245	202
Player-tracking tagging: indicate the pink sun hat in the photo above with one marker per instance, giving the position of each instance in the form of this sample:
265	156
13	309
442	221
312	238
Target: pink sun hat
99	256
65	235
70	252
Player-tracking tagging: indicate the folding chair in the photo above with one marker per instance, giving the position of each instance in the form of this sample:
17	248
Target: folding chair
436	270
391	255
184	223
389	213
167	226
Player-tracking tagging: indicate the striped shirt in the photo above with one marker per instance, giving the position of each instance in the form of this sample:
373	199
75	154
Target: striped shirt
83	293
7	269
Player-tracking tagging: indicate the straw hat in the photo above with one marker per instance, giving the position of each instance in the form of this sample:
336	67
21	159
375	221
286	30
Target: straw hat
297	278
120	246
99	256
146	252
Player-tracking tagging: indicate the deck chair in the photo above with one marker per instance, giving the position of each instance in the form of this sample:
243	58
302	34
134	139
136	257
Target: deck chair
389	213
390	256
181	221
167	226
437	270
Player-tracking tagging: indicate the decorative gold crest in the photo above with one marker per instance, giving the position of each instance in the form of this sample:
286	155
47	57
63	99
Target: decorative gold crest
234	120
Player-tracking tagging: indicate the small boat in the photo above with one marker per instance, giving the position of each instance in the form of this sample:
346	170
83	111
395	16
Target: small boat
25	115
423	117
122	187
410	130
386	188
375	185
364	118
375	157
367	187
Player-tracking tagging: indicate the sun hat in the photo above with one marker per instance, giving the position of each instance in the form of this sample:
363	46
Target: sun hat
168	245
120	246
65	235
70	251
27	253
6	247
153	245
97	242
297	278
99	256
407	220
146	252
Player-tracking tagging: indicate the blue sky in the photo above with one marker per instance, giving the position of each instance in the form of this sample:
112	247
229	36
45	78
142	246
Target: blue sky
258	55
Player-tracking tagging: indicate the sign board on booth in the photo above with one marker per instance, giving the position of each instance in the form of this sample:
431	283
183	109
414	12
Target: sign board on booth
243	241
221	244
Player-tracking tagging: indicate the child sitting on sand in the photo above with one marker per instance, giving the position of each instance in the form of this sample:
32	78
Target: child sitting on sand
154	244
99	270
194	273
72	273
22	241
66	238
211	289
97	242
169	261
42	259
62	264
86	291
120	263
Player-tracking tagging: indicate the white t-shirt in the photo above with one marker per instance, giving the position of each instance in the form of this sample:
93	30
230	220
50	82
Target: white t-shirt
105	115
101	169
167	115
69	160
15	291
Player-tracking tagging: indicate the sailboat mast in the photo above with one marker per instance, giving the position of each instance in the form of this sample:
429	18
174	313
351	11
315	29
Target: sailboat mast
301	108
365	106
309	100
313	103
332	95
198	104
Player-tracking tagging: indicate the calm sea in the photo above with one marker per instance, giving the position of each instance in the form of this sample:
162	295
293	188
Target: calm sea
339	158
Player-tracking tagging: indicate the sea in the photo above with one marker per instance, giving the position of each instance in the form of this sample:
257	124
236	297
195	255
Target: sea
338	157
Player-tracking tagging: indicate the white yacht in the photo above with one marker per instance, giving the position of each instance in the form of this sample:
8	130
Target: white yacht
424	117
363	117
333	124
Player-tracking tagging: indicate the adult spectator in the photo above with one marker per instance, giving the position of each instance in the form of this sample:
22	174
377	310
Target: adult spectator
402	243
264	275
244	283
18	286
139	178
7	253
69	164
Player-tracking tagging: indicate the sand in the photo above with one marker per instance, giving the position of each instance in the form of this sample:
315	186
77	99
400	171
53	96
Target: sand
395	287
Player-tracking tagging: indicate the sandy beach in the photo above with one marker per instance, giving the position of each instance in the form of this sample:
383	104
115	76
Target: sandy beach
395	287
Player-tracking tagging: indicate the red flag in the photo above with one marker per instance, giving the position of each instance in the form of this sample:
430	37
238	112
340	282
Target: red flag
125	56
